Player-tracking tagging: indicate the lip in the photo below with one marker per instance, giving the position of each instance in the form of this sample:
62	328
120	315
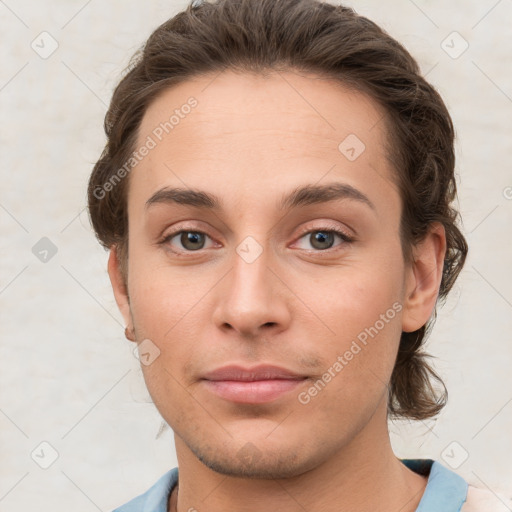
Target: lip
260	372
260	384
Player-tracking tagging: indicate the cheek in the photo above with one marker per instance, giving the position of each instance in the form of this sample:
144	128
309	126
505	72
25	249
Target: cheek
361	305
358	359
163	296
353	298
165	313
171	308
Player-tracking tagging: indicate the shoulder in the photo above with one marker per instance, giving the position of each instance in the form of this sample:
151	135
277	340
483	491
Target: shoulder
448	491
483	500
155	498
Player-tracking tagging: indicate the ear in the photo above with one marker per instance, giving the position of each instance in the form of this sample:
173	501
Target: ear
423	278
120	290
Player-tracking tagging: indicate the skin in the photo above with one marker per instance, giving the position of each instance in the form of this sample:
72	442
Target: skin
250	140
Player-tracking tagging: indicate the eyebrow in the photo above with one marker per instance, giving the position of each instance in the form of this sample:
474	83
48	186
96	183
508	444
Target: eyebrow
301	196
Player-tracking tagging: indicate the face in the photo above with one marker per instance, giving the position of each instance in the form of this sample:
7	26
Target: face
287	256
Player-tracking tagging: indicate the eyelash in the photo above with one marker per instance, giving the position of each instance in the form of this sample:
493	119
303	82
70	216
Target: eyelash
347	239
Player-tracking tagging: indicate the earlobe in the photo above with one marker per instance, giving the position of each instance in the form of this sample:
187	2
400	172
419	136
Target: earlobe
120	291
424	278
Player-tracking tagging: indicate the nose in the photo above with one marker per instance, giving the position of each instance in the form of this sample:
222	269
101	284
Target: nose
252	300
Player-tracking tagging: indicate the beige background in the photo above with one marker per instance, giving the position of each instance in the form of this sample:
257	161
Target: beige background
68	376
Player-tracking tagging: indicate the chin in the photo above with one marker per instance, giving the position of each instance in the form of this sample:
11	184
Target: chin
258	466
253	460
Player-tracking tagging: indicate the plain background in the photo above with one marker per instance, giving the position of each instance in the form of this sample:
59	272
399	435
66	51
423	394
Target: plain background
68	376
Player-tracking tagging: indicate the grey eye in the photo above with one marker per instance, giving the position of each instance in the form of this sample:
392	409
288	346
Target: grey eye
192	240
321	239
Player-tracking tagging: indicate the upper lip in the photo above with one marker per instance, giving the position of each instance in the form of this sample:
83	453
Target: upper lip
261	372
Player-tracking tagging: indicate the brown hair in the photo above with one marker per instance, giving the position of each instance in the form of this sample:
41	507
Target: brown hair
331	41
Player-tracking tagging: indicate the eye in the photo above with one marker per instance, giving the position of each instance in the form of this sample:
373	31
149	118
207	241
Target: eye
190	240
323	239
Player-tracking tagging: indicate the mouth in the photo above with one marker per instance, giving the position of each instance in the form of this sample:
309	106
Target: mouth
256	385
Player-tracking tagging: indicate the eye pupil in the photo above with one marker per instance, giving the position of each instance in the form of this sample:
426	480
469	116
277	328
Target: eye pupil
322	239
192	240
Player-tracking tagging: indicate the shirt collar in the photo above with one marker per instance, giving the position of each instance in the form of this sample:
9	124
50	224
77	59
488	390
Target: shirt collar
445	489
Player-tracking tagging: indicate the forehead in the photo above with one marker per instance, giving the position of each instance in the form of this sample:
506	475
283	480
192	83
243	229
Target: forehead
235	130
252	101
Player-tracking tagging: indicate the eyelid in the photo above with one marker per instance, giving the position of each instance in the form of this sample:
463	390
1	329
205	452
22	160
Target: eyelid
328	226
186	229
184	226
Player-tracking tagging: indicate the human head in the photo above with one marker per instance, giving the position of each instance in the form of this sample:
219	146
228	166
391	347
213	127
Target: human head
331	42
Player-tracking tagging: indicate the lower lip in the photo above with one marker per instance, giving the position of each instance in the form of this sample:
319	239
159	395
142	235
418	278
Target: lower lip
254	392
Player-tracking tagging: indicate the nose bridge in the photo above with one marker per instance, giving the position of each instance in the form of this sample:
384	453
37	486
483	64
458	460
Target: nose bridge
250	268
249	301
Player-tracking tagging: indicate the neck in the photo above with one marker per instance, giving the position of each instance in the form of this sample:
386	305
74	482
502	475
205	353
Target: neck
363	475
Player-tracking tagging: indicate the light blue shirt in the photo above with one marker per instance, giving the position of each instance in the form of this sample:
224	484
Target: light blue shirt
446	491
